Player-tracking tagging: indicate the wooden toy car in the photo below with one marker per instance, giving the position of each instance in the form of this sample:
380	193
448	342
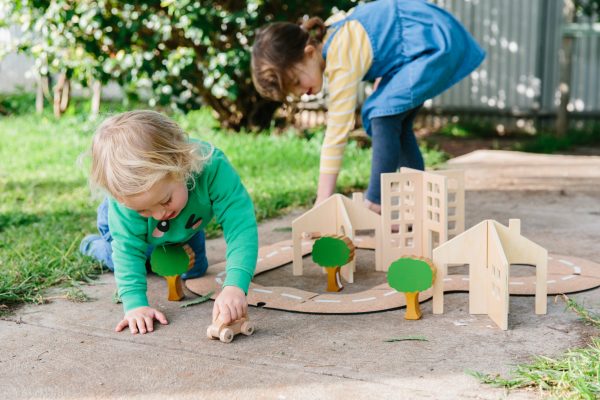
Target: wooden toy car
225	333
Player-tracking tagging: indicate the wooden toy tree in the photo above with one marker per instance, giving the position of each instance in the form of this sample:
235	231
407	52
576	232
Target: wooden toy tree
411	276
332	253
170	262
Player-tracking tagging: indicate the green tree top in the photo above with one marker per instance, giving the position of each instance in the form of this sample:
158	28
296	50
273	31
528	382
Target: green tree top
410	275
169	260
331	252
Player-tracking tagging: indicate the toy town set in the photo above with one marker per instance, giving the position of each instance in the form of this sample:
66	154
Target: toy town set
419	234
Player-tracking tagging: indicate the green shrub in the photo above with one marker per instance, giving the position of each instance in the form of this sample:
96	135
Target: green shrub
184	53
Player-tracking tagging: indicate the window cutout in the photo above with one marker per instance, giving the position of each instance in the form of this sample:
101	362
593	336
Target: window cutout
458	269
451	225
437	203
429	201
430	215
364	232
408	200
409	242
434	240
408	215
436	188
395	200
451	211
395	215
395	187
437	217
409	228
451	197
429	186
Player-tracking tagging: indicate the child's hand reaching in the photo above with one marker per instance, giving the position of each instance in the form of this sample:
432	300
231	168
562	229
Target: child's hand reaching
230	305
141	320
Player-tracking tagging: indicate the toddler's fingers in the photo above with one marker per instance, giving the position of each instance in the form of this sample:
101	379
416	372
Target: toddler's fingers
224	313
215	311
234	312
149	323
239	308
161	317
133	326
121	325
141	325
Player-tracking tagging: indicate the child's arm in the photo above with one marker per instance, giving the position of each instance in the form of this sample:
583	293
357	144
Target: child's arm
348	60
234	211
129	229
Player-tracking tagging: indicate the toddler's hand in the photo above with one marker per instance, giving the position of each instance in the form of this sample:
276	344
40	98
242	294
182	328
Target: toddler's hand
230	305
141	320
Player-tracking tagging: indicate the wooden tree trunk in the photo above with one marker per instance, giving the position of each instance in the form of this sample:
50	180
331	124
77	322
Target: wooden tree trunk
61	95
566	66
175	286
334	282
42	93
413	310
96	97
39	96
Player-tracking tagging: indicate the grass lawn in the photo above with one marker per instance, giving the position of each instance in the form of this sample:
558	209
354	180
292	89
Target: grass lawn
46	207
573	375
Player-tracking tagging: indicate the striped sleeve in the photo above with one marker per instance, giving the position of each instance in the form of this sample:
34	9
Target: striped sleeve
348	59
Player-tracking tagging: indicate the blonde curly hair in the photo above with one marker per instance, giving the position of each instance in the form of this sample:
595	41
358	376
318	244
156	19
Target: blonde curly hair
134	150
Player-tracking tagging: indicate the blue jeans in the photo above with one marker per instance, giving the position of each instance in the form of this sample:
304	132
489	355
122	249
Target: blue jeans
100	247
394	145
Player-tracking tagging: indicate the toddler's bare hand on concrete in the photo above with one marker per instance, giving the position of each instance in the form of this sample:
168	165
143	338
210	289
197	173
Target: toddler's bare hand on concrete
141	320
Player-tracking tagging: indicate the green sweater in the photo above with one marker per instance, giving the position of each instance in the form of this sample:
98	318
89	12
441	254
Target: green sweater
217	191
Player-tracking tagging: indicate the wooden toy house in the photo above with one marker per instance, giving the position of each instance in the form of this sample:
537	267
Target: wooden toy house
489	248
338	215
419	211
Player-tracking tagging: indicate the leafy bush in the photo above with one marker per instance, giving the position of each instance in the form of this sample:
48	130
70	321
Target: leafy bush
18	103
183	53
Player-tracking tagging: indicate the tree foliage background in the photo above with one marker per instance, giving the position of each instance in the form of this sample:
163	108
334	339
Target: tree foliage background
183	53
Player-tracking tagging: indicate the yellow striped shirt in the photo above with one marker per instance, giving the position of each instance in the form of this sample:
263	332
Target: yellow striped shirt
348	59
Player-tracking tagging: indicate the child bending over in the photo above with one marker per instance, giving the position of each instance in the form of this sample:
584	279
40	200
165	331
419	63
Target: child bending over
163	188
412	48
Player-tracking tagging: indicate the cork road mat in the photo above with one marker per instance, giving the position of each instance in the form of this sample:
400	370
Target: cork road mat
566	274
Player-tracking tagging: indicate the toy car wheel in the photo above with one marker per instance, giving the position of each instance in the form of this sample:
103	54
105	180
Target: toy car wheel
226	335
247	328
